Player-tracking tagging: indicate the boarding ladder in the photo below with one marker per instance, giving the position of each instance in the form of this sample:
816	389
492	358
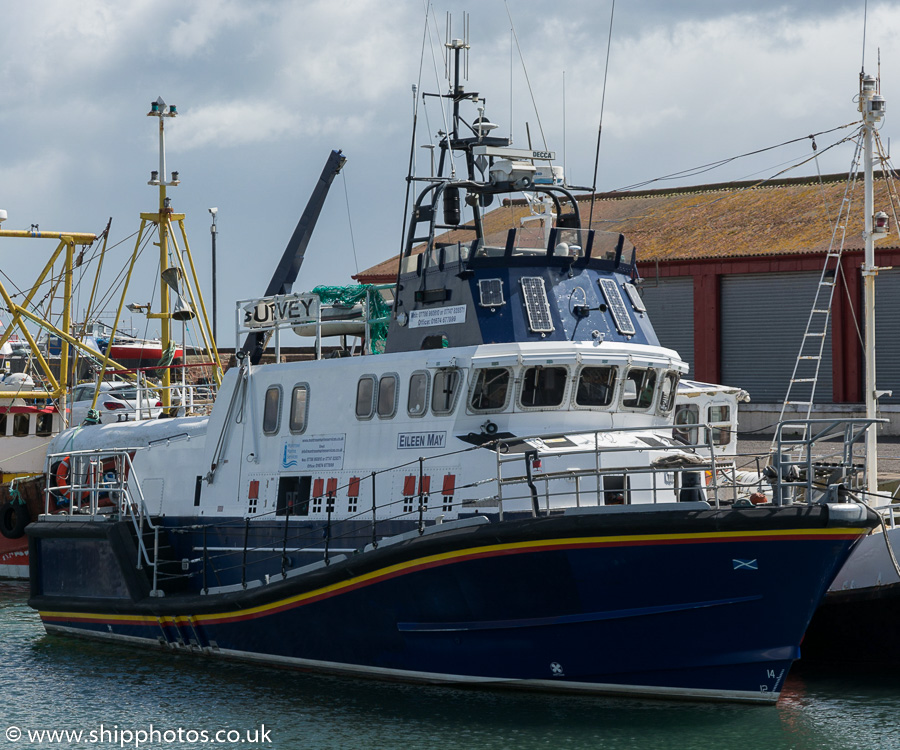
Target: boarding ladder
801	389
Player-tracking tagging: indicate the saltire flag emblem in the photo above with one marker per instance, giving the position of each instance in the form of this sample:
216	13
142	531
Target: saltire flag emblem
745	565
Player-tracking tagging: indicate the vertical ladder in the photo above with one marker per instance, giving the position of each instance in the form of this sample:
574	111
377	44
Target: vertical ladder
801	389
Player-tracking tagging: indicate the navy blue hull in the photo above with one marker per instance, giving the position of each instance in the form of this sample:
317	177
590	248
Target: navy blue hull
710	604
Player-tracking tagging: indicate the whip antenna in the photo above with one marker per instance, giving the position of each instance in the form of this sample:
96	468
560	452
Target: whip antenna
600	128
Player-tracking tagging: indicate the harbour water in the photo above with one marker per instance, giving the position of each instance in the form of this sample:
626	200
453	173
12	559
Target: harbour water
112	694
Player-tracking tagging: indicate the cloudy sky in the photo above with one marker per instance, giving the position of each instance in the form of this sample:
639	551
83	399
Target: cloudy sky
266	88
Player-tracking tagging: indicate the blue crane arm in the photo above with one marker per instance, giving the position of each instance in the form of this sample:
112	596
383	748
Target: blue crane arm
289	266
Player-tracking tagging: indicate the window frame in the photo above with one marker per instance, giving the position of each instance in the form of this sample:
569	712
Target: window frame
676	378
649	408
565	393
372	401
460	387
426	401
510	387
291	428
274	387
615	387
396	400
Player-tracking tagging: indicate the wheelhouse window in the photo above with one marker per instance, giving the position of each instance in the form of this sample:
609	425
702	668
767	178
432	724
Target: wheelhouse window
543	386
490	390
3	424
667	392
417	400
446	388
687	417
44	425
299	406
365	397
639	387
20	425
387	396
720	423
272	410
596	386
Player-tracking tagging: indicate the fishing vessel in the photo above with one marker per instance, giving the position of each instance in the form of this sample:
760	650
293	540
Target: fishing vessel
39	404
497	498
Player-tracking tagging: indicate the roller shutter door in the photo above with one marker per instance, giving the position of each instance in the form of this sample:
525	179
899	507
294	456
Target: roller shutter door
763	319
887	335
670	304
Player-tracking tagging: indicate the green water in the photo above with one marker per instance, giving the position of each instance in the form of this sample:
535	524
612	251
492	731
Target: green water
52	683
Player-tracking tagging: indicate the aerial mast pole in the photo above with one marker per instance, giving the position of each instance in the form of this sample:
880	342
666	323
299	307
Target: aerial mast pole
871	105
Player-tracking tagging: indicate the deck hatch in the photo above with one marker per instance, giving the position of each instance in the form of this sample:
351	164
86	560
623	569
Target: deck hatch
616	306
536	304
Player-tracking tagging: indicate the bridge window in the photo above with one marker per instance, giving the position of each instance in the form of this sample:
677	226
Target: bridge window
446	388
596	386
299	407
365	397
544	386
387	396
667	392
272	410
417	401
490	389
639	387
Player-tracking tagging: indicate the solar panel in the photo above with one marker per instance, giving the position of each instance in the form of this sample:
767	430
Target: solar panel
535	296
616	306
491	292
635	297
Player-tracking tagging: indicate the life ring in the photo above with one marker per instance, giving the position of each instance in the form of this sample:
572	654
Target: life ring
61	473
13	519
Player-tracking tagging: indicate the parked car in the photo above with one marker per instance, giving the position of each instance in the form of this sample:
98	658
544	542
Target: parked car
117	402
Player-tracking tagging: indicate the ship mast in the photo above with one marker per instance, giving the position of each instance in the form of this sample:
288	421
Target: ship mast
871	105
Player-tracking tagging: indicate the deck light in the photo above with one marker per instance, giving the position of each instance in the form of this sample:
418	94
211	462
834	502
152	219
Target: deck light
880	225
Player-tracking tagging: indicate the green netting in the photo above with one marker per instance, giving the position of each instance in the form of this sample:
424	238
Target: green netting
377	309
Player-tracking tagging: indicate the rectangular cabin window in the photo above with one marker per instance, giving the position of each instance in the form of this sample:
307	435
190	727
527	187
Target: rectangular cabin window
490	390
417	401
365	397
446	386
720	422
272	410
640	395
387	393
3	423
596	386
20	425
44	426
544	386
299	401
667	392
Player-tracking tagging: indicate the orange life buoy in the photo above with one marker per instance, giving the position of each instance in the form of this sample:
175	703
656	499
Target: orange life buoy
62	480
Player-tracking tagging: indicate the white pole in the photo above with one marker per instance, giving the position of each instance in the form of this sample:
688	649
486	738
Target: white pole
869	272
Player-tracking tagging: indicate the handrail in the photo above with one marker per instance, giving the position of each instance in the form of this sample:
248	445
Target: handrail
128	501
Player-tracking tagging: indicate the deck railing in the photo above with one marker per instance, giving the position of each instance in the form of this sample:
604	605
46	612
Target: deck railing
808	469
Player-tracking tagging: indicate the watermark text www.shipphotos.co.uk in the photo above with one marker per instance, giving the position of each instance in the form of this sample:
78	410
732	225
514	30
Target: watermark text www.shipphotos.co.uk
149	736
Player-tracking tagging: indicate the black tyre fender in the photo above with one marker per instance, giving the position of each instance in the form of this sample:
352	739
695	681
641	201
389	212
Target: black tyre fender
13	520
